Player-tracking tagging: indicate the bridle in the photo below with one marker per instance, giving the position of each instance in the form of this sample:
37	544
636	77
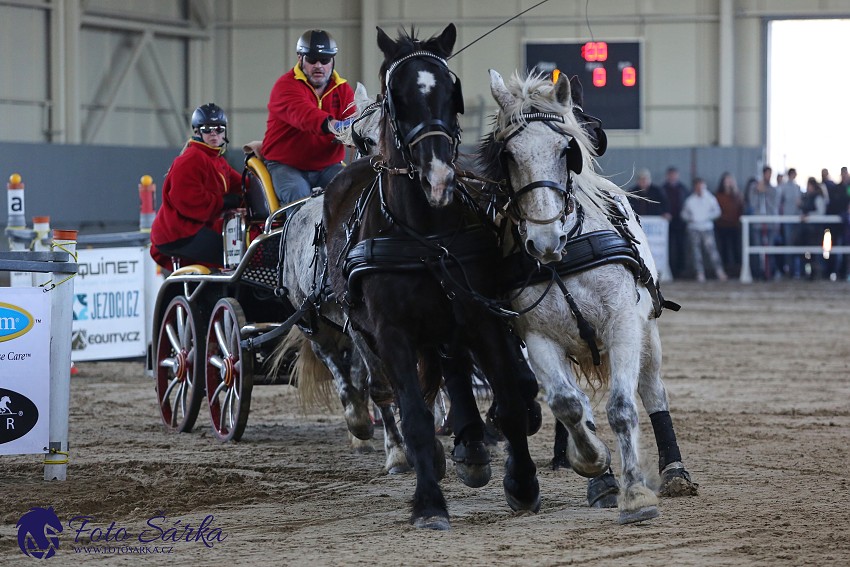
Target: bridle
364	144
405	141
574	165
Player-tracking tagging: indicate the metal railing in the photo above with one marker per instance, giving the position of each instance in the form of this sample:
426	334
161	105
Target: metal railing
747	249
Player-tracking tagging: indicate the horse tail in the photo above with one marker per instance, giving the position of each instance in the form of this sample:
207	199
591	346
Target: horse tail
314	380
596	376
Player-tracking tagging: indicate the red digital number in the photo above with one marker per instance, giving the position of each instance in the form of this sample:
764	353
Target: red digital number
629	76
600	77
594	51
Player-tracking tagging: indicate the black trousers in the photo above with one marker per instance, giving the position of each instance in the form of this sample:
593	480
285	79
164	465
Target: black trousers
206	246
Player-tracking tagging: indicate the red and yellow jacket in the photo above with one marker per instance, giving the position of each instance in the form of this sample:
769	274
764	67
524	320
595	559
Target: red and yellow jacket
294	133
193	193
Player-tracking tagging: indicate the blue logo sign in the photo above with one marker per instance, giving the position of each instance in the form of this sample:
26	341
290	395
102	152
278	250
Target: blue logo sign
38	532
14	322
81	307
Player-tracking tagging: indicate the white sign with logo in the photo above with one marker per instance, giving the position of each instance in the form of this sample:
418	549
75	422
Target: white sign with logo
109	304
657	230
24	370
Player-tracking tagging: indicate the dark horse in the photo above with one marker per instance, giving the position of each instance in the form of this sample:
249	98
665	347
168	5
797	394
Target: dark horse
413	262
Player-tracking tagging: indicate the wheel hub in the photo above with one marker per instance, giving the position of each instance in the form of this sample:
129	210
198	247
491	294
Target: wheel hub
227	371
182	365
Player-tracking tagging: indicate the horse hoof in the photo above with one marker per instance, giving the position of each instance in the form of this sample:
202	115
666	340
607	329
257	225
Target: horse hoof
591	469
639	515
517	504
360	424
602	491
560	461
473	476
433	523
675	481
439	460
472	463
399	469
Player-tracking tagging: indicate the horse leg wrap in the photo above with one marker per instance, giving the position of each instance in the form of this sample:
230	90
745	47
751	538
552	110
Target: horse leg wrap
665	439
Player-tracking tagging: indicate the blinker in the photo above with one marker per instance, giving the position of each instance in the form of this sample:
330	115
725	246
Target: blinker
574	158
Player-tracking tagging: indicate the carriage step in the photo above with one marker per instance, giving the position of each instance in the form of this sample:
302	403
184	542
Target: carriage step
252	329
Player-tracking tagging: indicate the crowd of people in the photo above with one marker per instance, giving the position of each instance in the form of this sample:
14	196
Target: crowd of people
705	227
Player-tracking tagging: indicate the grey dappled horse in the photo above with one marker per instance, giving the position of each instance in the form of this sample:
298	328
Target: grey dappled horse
597	322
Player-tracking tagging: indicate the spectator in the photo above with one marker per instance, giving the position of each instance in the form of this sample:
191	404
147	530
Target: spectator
676	193
198	186
652	200
305	105
813	203
790	198
845	217
699	211
727	227
837	204
761	199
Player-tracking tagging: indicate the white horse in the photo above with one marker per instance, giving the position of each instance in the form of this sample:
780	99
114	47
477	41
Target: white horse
593	308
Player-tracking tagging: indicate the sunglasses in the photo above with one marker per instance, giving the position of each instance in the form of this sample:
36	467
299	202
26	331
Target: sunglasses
211	129
313	60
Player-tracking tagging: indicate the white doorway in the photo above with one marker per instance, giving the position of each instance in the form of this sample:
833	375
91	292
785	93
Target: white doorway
808	100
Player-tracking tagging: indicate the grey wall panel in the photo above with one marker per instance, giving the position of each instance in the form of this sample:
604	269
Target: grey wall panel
89	188
24	100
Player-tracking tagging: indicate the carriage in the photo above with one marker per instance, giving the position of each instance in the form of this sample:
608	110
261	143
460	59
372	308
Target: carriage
212	330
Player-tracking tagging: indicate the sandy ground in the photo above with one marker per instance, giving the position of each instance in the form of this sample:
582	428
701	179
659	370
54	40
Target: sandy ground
759	381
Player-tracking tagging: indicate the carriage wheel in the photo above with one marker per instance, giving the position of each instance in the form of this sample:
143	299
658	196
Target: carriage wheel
229	371
179	366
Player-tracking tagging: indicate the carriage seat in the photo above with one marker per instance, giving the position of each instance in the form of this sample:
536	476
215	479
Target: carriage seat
260	197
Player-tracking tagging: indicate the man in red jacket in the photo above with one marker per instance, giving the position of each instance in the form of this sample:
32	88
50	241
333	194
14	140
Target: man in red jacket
305	104
198	186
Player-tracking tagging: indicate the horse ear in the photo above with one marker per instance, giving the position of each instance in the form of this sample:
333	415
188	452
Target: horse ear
361	97
387	46
577	91
446	40
562	90
499	90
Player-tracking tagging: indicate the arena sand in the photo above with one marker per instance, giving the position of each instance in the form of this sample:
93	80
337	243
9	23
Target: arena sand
759	382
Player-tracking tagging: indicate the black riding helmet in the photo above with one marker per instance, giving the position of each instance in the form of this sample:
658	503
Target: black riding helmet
316	43
209	114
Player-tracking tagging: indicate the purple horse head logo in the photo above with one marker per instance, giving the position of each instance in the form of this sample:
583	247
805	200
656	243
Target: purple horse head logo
38	532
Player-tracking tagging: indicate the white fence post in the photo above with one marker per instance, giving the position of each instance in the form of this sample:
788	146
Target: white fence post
746	274
61	306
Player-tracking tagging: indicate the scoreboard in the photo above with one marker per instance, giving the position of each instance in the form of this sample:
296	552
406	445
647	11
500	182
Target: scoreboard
610	74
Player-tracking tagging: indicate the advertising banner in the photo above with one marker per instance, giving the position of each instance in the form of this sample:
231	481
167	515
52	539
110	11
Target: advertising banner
24	370
657	230
109	304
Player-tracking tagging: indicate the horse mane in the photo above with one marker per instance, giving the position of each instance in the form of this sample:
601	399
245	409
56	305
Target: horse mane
536	93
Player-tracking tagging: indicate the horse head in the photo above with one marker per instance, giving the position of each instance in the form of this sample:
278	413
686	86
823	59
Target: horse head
364	131
537	148
422	99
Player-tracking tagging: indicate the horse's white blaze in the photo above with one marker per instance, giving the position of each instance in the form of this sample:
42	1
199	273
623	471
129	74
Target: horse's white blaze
426	81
